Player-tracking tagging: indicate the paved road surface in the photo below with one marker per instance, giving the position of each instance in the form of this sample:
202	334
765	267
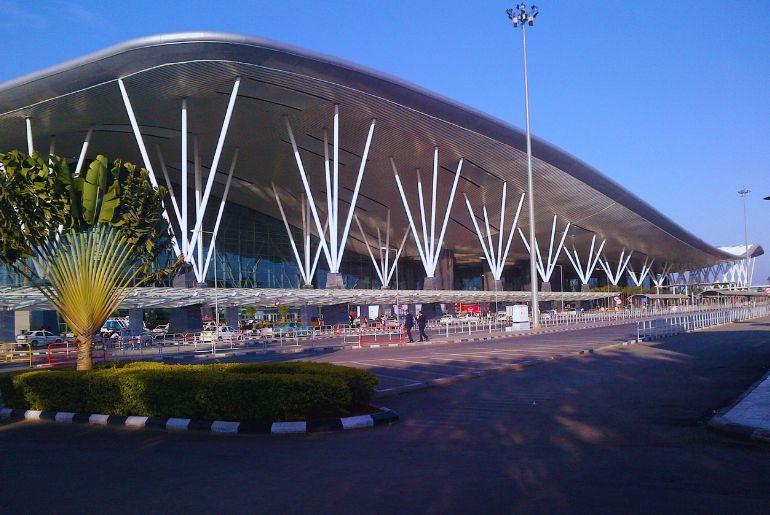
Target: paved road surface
620	431
400	367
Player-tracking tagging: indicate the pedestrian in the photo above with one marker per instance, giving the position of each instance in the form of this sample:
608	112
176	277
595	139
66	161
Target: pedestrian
421	323
409	324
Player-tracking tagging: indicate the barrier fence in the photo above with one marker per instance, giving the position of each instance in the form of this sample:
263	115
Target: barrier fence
647	330
16	352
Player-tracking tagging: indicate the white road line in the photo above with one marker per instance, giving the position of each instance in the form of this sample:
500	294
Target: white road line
432	364
401	369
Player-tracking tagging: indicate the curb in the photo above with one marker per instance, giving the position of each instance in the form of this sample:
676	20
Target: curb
384	417
720	422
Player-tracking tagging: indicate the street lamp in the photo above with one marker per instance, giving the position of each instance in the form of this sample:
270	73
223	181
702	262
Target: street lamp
520	16
745	193
398	307
561	284
215	338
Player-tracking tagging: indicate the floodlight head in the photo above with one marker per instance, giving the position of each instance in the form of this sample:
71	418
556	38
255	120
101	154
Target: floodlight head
767	198
534	11
522	7
509	12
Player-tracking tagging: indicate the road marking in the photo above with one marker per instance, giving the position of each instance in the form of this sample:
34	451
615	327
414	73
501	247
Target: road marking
432	364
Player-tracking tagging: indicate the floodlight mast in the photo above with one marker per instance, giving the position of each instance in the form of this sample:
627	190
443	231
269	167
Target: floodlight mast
520	16
745	193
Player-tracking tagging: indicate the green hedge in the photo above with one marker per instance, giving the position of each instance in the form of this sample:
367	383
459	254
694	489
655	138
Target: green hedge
260	391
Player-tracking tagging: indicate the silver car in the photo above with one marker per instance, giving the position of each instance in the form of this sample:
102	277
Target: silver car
38	338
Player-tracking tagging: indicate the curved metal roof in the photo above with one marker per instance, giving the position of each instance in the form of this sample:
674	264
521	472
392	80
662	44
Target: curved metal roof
279	80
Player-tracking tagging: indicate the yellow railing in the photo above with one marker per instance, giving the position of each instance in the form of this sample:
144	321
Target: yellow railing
16	351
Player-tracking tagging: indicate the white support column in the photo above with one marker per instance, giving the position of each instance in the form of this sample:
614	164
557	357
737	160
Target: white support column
495	258
377	266
658	279
639	279
215	163
354	200
546	269
185	233
428	248
198	262
398	255
171	192
221	208
302	271
614	277
83	150
30	144
335	250
584	273
307	269
146	160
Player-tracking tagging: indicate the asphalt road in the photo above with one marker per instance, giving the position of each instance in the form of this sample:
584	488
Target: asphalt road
619	431
411	366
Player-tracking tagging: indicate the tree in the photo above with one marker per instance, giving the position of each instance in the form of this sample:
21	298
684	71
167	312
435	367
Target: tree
84	240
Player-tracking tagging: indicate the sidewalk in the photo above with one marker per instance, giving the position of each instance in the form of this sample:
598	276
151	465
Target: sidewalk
749	416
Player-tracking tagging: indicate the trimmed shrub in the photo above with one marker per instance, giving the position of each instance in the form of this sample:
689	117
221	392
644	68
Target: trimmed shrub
261	391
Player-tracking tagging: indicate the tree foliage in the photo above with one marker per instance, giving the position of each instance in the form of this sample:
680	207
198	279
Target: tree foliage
85	240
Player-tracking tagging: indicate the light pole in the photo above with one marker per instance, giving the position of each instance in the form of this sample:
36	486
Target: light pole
561	284
520	16
745	193
215	338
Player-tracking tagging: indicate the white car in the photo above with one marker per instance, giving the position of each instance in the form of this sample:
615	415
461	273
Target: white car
38	338
226	333
449	319
160	330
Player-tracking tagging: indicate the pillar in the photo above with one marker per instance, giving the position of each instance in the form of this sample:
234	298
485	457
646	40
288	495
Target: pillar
445	271
185	320
135	321
334	281
232	315
8	326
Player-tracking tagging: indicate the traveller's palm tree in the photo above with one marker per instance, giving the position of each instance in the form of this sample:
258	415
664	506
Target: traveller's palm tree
84	240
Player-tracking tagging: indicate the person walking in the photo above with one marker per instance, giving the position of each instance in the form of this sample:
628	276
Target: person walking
421	323
409	324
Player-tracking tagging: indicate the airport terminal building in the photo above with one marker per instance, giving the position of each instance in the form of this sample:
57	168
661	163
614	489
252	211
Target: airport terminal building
313	174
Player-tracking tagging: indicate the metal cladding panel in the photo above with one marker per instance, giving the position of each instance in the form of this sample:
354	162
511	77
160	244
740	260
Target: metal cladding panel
281	82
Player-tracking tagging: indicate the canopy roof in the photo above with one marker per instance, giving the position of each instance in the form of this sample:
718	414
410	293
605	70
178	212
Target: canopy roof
281	81
27	298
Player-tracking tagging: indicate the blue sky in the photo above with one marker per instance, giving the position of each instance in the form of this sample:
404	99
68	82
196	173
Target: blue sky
670	99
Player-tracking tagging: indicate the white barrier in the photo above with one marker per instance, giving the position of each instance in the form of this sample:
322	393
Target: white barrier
647	330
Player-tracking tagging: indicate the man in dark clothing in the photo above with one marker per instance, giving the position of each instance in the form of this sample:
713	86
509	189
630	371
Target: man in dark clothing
409	324
421	323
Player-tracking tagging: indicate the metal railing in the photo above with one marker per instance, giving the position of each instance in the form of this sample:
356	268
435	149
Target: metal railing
648	330
16	352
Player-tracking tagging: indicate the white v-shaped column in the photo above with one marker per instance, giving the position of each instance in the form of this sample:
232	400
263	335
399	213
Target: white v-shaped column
545	270
638	279
427	246
383	267
584	272
334	250
614	277
496	258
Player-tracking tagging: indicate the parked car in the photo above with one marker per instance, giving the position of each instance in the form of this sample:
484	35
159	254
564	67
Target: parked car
160	330
145	338
113	326
38	338
225	333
